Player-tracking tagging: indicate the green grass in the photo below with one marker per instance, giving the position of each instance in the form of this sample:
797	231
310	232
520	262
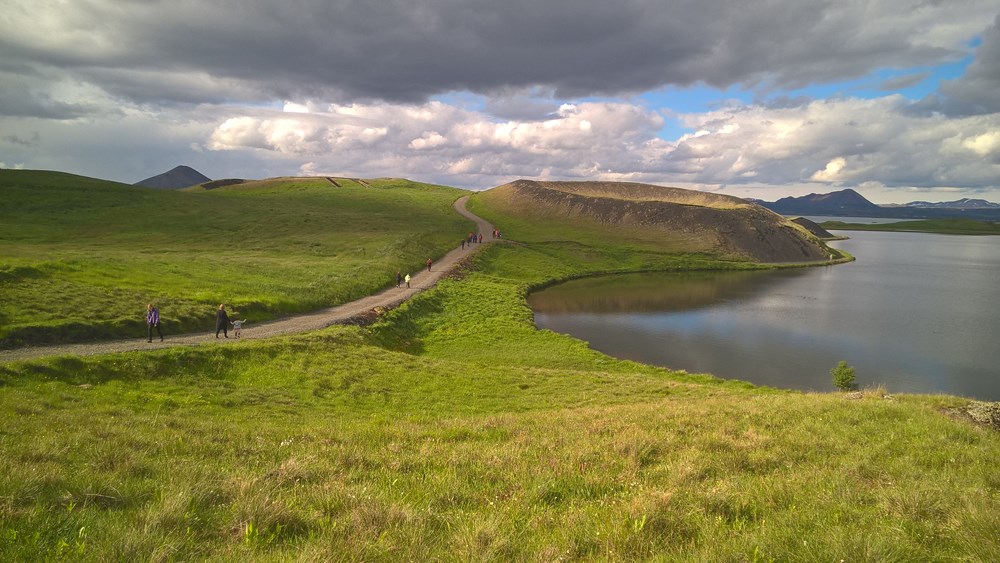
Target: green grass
453	430
940	226
80	258
332	446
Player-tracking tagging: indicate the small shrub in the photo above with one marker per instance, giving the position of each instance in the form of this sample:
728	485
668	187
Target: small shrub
843	376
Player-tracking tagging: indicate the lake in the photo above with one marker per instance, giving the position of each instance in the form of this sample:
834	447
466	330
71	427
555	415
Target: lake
915	312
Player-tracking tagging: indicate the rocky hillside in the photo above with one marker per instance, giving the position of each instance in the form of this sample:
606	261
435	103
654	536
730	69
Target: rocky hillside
704	222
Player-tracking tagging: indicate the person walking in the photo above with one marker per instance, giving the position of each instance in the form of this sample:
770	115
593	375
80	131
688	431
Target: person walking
152	321
238	327
399	278
221	321
428	264
407	278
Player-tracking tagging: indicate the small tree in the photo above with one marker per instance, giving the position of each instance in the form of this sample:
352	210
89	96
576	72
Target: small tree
843	376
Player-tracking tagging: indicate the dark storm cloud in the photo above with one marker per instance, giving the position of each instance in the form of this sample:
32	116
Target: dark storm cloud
32	141
18	99
409	50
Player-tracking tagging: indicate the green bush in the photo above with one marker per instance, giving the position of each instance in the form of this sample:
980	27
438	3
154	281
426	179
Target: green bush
843	376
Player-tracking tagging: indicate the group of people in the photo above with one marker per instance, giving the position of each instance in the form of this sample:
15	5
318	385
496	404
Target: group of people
222	322
400	278
472	238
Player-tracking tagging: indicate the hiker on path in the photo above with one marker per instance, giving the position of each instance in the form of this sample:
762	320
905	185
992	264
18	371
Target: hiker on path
238	327
152	320
463	244
480	237
428	264
399	278
221	321
407	281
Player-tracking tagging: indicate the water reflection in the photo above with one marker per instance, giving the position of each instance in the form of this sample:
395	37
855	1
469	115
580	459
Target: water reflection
914	312
638	293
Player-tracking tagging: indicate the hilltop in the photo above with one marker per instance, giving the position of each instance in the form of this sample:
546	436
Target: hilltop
677	218
814	228
176	178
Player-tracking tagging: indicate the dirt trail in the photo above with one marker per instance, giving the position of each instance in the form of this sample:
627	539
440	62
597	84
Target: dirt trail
300	323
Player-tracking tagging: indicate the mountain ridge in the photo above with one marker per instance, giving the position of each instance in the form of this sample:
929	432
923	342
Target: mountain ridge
850	203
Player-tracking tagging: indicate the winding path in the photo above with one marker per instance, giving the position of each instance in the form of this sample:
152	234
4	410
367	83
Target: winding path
299	323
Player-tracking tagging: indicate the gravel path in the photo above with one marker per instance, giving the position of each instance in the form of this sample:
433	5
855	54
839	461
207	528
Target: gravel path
300	323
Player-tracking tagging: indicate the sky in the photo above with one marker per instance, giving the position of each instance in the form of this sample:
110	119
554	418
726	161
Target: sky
897	99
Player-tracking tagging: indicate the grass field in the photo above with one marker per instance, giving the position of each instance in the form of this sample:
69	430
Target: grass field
80	258
452	429
940	226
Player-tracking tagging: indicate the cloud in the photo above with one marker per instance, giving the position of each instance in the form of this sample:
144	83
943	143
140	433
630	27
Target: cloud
257	51
831	172
20	97
976	92
904	82
479	92
33	140
846	142
838	142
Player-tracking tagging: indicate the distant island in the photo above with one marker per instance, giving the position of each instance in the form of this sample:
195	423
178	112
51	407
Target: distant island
941	226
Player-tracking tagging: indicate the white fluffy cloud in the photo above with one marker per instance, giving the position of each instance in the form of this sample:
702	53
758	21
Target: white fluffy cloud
837	143
841	142
451	144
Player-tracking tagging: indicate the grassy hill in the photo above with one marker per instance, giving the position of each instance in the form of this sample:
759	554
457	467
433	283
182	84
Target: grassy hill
80	258
654	218
453	429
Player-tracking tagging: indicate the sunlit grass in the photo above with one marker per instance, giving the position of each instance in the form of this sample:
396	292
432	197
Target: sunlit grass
80	258
453	430
326	446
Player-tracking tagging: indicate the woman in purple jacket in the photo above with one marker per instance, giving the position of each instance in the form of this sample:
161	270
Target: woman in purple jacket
152	320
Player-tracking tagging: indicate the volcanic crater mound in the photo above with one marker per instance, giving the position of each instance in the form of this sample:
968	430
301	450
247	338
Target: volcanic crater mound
689	219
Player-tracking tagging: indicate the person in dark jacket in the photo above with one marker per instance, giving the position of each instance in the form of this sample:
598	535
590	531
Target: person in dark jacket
221	321
152	321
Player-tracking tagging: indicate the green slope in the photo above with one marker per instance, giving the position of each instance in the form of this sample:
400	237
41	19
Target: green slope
453	430
80	258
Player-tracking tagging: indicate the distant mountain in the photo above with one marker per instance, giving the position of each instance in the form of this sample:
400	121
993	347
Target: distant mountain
845	202
964	203
849	203
180	177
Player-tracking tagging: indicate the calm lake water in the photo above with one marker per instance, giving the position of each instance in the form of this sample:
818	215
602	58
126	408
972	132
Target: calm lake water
919	313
